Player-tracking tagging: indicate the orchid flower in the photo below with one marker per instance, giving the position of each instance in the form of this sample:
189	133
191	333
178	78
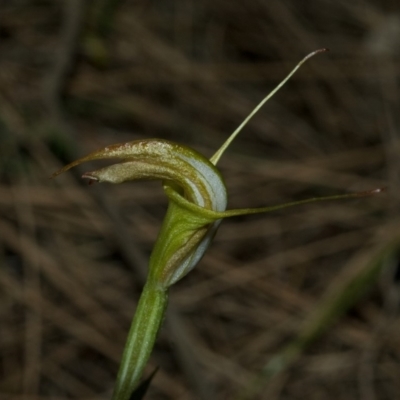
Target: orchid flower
197	204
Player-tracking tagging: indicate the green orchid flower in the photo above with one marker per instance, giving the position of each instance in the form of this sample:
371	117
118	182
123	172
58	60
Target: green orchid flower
197	204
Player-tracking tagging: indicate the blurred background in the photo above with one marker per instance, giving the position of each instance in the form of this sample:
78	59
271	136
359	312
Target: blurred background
307	296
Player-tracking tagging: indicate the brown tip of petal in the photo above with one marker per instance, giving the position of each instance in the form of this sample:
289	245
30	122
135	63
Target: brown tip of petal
65	168
371	192
312	54
60	171
379	190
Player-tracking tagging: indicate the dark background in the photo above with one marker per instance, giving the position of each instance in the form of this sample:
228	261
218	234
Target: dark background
76	76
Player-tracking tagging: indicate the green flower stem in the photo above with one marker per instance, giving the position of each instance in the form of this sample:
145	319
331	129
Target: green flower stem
142	335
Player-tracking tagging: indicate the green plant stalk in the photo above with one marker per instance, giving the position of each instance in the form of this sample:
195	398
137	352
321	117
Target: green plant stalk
142	335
